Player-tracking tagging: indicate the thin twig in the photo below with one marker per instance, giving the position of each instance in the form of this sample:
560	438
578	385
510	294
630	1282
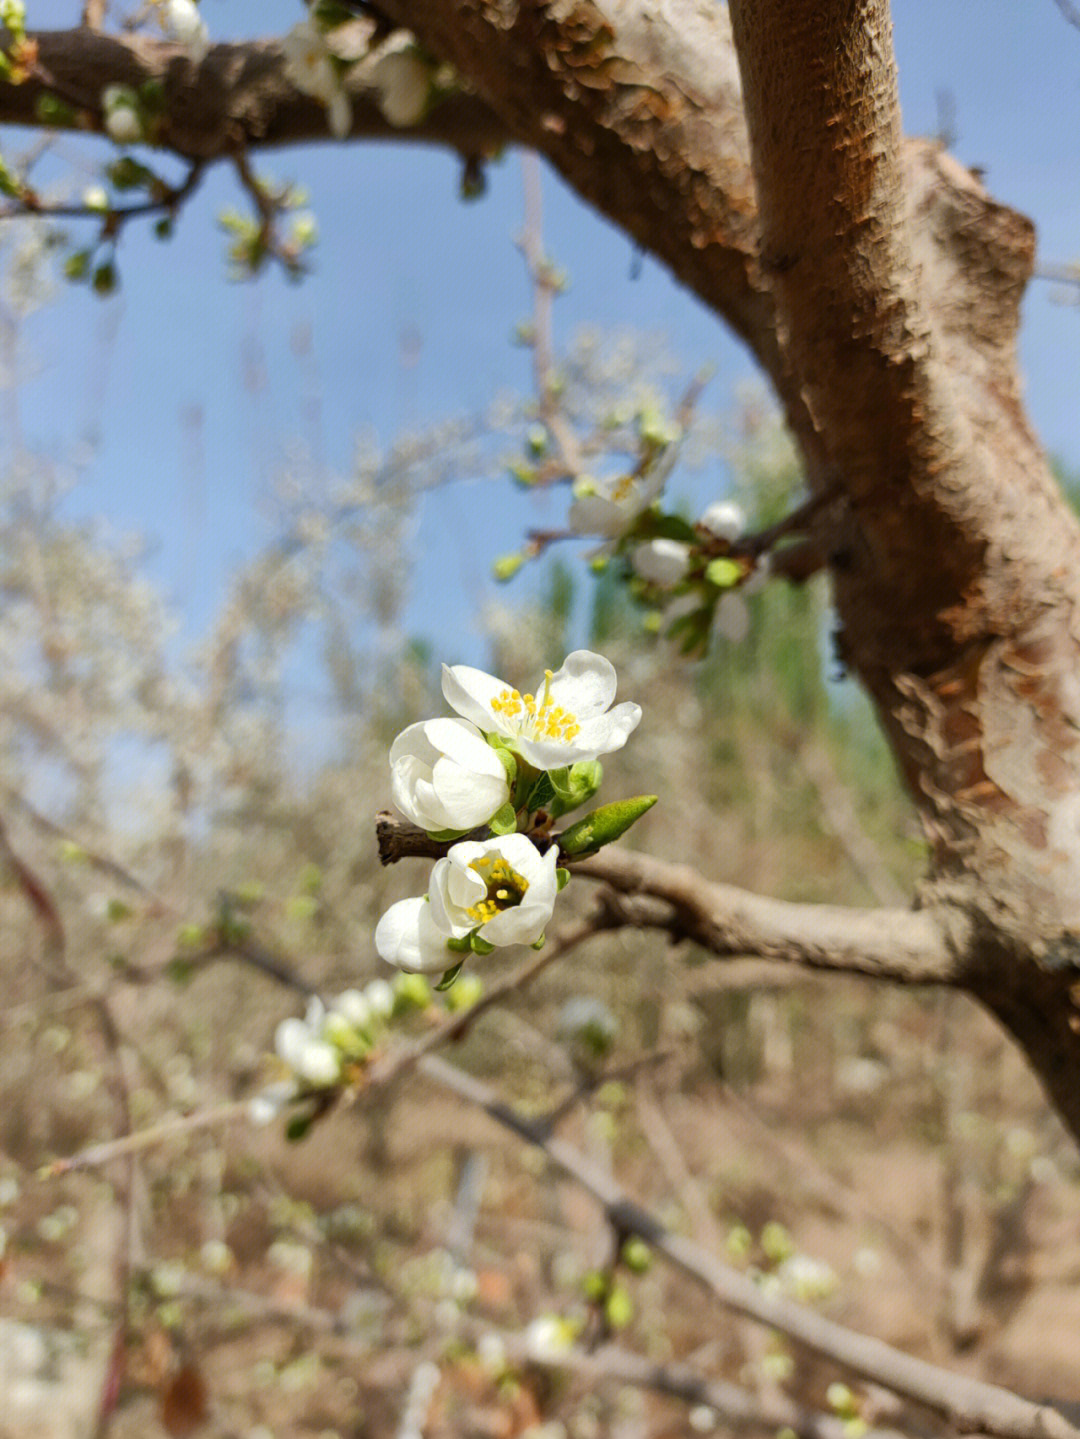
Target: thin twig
128	1144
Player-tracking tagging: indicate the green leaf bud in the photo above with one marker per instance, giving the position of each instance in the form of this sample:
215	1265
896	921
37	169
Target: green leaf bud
604	825
619	1308
507	566
725	574
636	1255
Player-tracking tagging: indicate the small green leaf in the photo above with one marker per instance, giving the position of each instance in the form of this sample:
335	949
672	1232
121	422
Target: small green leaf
116	910
445	836
449	977
562	879
104	278
674	527
725	574
603	825
297	1127
504	820
542	792
636	1254
539	943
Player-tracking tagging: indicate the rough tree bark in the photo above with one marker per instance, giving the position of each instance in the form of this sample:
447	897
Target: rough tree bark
878	284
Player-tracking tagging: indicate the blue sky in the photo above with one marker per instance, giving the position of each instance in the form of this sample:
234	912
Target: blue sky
399	252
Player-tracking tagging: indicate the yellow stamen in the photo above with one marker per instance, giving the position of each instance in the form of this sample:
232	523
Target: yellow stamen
537	718
505	888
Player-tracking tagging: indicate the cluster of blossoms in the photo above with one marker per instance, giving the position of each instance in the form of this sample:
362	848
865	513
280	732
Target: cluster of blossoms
318	1049
319	53
680	571
508	764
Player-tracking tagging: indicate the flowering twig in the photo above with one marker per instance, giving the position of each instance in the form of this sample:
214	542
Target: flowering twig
904	945
969	1405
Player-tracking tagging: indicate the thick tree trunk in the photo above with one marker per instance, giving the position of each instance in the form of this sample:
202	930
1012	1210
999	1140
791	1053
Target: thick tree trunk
957	563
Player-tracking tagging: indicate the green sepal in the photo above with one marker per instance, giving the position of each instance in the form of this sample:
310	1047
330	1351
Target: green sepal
504	820
725	574
562	879
603	825
478	945
445	836
539	943
459	946
449	977
507	757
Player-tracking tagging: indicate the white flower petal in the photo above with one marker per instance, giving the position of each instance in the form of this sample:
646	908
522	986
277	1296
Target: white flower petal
725	519
405	936
562	723
457	888
444	775
661	562
318	1062
585	683
339	114
470	692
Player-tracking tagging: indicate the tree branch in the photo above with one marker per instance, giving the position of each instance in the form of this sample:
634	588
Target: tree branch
902	945
966	1403
237	97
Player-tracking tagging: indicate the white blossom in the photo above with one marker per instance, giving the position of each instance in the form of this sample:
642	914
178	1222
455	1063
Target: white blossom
661	561
380	996
184	23
609	505
406	937
725	519
444	775
311	67
403	80
548	1337
503	889
569	719
354	1008
265	1106
300	1043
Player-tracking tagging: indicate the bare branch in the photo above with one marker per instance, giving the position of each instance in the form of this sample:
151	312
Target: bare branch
966	1403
